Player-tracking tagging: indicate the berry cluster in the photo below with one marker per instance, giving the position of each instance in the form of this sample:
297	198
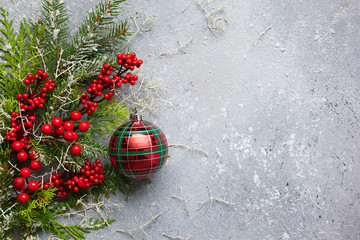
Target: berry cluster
22	124
19	182
90	174
107	83
66	129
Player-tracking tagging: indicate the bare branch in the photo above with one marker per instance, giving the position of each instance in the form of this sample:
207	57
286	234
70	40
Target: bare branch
141	228
181	47
177	237
215	22
261	35
143	27
211	199
185	201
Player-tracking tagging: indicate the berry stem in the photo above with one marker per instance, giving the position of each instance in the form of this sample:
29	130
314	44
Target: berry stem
36	87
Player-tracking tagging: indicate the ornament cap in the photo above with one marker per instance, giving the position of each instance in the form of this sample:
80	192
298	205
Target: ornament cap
136	117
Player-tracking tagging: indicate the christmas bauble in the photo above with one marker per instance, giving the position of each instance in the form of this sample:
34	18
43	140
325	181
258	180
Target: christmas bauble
138	148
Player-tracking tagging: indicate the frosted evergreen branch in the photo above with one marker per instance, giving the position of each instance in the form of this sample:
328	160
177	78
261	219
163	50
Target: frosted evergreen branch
211	199
2	214
141	228
41	55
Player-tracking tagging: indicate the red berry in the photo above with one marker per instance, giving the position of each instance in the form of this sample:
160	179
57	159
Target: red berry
46	186
56	122
96	181
19	182
32	155
75	150
19	188
68	126
76	189
83	126
75	115
33	186
35	165
81	184
25	172
17	146
26	81
76	136
22	156
59	131
69	136
23	198
46	129
29	76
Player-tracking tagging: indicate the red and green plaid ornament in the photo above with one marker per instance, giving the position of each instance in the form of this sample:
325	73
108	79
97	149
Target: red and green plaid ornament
138	148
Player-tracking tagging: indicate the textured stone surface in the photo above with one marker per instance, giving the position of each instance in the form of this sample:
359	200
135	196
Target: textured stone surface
277	113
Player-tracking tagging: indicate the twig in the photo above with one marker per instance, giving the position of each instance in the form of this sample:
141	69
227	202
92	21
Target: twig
212	199
145	26
144	96
214	22
177	237
130	231
194	149
261	35
185	201
181	47
99	206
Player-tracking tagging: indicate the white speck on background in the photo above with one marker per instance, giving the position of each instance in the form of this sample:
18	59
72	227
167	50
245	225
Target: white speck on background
257	180
193	126
285	235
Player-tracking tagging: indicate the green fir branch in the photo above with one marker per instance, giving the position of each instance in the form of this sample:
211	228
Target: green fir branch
92	148
55	18
114	181
76	231
86	42
105	119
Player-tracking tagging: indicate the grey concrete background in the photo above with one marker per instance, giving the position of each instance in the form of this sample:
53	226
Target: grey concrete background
279	120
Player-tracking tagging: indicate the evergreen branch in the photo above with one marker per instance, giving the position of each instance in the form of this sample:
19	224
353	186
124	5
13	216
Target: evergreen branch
113	181
86	41
106	118
92	148
55	19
